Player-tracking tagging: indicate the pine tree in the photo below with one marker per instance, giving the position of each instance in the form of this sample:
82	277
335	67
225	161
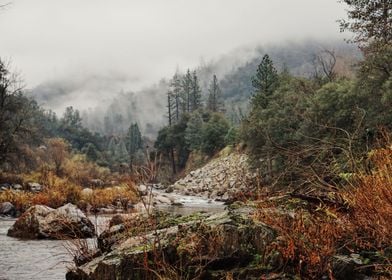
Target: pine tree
193	131
121	151
112	146
186	92
195	93
215	102
134	142
265	82
71	118
176	89
171	108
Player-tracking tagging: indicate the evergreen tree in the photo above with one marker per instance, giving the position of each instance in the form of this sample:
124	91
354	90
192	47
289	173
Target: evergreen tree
213	134
71	118
112	147
134	142
264	82
193	132
171	108
215	102
195	93
121	151
186	92
91	151
176	90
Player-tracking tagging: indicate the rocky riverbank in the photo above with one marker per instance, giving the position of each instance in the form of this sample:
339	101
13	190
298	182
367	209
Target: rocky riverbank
200	245
232	244
220	179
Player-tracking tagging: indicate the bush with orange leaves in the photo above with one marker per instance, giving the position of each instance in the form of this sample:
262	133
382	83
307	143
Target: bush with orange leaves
370	224
311	234
307	238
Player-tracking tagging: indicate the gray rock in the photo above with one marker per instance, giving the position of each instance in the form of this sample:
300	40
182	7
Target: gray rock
5	186
42	222
7	209
17	187
347	267
161	199
142	189
235	236
34	187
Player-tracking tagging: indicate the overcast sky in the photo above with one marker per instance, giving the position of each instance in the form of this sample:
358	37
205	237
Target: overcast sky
144	40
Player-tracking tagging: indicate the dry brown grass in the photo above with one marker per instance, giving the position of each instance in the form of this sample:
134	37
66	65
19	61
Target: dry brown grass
59	191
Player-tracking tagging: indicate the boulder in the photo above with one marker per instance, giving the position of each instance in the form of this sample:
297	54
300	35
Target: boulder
142	189
86	193
208	245
34	187
348	267
17	187
5	186
7	209
42	222
162	199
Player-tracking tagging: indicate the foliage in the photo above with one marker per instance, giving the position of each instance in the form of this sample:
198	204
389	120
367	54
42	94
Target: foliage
264	82
312	233
193	135
213	134
58	152
370	198
20	120
303	133
371	20
215	102
134	139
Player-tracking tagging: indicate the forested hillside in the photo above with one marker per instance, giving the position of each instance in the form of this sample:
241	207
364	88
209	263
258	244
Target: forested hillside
234	71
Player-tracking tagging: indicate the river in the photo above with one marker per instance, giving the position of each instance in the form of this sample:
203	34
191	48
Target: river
48	259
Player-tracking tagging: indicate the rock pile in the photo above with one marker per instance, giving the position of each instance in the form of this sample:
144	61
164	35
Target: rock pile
219	179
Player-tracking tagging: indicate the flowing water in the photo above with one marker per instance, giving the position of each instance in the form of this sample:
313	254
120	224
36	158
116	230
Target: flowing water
48	259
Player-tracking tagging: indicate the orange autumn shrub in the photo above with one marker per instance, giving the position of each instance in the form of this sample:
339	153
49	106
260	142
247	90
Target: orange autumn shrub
307	241
370	199
310	235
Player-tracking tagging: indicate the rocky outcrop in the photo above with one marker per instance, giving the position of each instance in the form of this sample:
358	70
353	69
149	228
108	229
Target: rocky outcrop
7	209
42	222
219	179
200	244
